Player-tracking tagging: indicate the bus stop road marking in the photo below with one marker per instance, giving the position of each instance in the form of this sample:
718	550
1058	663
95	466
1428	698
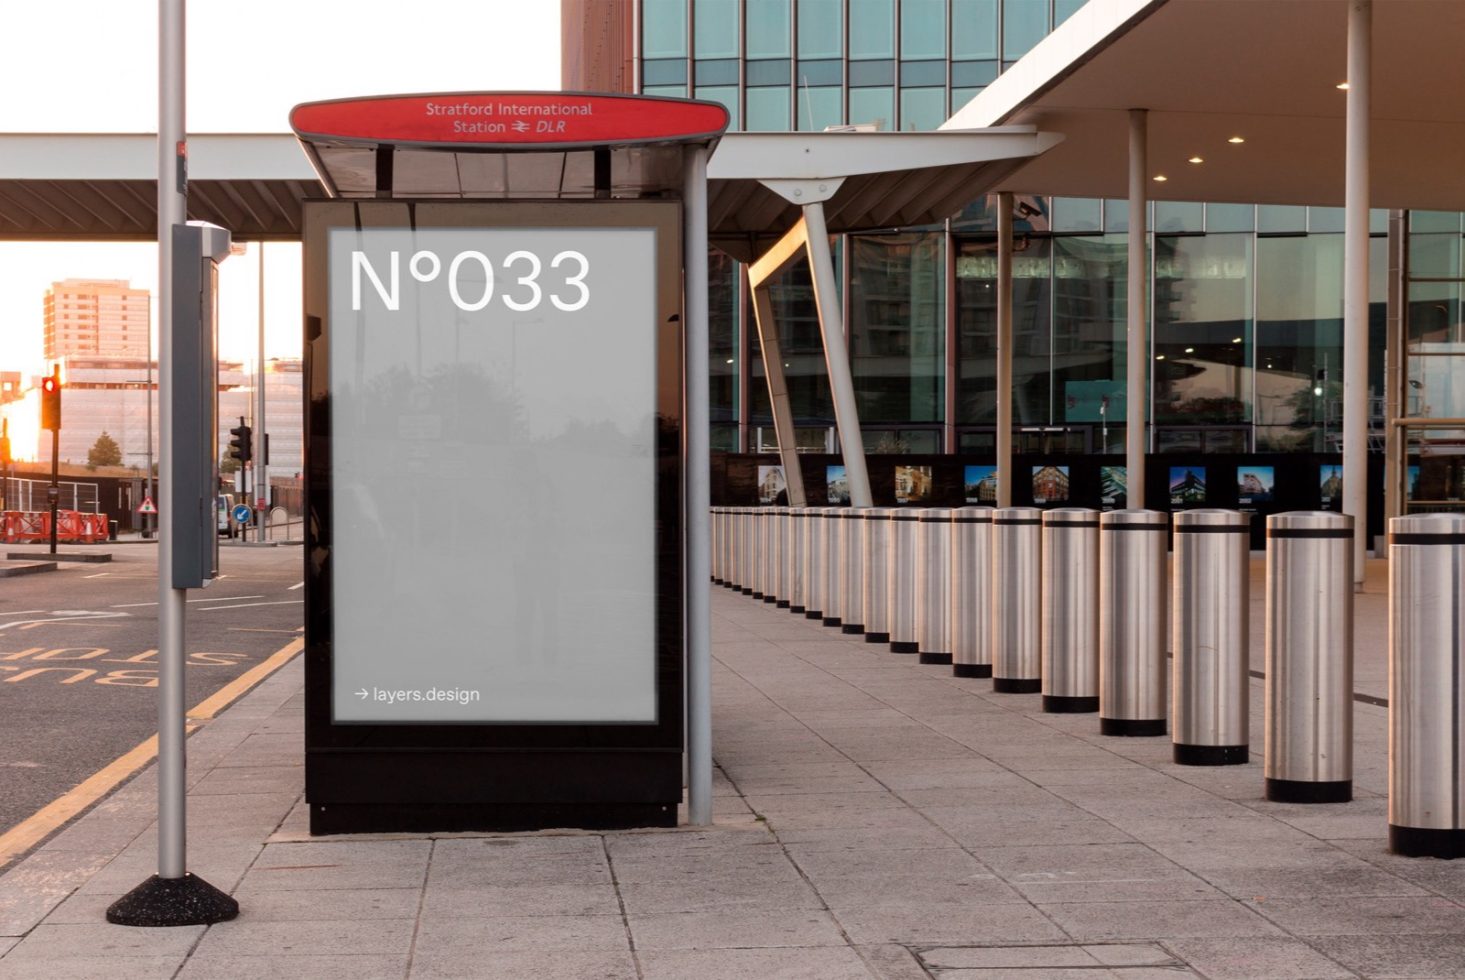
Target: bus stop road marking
62	616
219	598
297	585
247	605
39	825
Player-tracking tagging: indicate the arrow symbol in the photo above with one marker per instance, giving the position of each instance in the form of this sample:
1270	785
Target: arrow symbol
361	693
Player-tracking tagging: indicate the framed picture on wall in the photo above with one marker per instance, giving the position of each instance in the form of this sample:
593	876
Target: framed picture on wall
1187	486
1330	483
1255	484
1050	485
979	485
912	484
838	484
1113	488
772	486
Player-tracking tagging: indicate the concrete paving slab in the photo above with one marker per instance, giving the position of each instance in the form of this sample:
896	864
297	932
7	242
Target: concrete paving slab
560	964
246	935
213	966
527	900
62	967
457	939
331	864
1435	957
328	905
44	942
1274	957
822	962
1091	921
723	929
954	926
1365	915
35	886
1008	957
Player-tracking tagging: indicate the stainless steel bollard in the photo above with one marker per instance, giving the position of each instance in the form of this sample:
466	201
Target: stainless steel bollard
1070	610
1426	671
782	558
747	547
1308	743
813	561
971	592
933	585
901	579
766	528
875	552
1211	683
1016	557
833	564
1134	668
796	518
852	582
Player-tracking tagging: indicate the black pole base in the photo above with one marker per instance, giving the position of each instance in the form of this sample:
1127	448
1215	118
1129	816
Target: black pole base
813	614
877	637
831	620
853	629
1132	727
795	609
778	603
770	598
1212	755
1419	842
755	595
903	646
1304	791
1058	704
186	901
927	657
1017	685
971	670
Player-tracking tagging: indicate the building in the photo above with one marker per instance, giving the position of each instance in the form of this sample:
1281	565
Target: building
1247	310
96	318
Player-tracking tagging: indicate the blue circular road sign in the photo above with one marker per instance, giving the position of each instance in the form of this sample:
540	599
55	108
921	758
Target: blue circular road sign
241	513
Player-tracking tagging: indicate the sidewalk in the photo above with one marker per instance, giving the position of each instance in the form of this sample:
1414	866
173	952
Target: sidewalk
876	818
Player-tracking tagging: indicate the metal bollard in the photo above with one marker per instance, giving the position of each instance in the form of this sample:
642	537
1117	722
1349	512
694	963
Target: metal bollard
782	558
900	572
763	588
1133	653
1426	702
971	592
833	563
813	561
1211	683
719	539
796	518
1308	745
1070	610
852	582
875	555
746	540
1016	554
933	585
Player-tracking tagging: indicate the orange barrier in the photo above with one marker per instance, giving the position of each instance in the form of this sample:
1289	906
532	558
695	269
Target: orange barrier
72	526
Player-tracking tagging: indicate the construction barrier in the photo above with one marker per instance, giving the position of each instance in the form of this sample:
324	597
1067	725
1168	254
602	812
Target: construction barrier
34	527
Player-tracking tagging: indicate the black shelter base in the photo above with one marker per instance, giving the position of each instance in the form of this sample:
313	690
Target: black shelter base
927	657
1427	842
1212	755
1058	704
1017	685
971	670
1305	791
186	901
1132	727
423	818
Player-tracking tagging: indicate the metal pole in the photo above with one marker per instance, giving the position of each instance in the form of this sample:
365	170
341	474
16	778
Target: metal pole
172	210
836	356
1355	283
261	478
149	521
698	485
1004	349
1136	346
54	492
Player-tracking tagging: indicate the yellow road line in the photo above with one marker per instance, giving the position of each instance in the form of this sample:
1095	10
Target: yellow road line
39	825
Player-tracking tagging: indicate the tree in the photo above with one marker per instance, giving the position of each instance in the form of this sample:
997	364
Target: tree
104	452
228	465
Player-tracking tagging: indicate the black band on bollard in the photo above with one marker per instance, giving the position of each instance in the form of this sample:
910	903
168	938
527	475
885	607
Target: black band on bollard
1017	685
779	603
755	595
853	629
795	609
903	646
1304	791
1057	704
1212	755
831	620
1132	727
971	670
813	614
927	657
1421	842
877	637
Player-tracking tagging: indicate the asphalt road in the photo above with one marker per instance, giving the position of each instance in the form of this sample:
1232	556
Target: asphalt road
78	670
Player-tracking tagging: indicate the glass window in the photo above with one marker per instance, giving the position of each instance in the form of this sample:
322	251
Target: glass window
914	74
925	442
1202	330
961	96
1090	291
1078	214
898	326
1181	216
871	29
1116	214
821	29
670	91
1064	9
792	298
773	71
863	73
723	277
715	26
664	71
819	108
1281	218
1325	219
820	73
974	29
923	29
768	110
872	105
728	96
768	28
1299	343
922	108
976	324
973	74
1230	217
1433	254
721	72
1434	221
1024	22
664	29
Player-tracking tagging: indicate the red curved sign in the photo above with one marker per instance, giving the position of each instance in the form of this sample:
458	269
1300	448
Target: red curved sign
512	118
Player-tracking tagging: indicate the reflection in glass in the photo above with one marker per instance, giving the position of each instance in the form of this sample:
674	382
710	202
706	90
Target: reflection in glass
897	326
1201	365
1024	22
872	105
976	324
728	96
871	29
664	29
819	108
1088	344
768	29
723	276
797	318
1299	343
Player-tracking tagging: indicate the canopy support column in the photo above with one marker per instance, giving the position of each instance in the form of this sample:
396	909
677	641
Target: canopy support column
1355	281
1004	349
783	416
1137	351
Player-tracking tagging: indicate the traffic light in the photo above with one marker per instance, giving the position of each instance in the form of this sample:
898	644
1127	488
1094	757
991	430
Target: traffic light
51	402
240	447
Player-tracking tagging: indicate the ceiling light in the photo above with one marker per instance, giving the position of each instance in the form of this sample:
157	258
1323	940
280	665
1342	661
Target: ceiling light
1234	340
1159	357
1190	350
1161	178
1197	160
1342	86
729	360
1236	139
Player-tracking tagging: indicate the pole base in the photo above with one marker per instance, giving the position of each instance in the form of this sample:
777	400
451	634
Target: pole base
927	657
795	609
186	901
971	670
831	620
903	646
1058	704
1305	791
777	602
1132	727
813	614
877	637
755	595
1212	755
1017	685
853	629
1427	842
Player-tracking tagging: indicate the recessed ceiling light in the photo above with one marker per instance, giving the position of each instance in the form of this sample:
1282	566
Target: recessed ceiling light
1159	357
1343	86
1161	178
1197	160
1190	350
729	360
1234	340
1236	139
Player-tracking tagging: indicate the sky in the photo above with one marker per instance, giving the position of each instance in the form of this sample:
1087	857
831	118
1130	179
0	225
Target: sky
91	66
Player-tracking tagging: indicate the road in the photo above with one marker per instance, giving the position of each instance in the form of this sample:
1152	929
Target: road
78	658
